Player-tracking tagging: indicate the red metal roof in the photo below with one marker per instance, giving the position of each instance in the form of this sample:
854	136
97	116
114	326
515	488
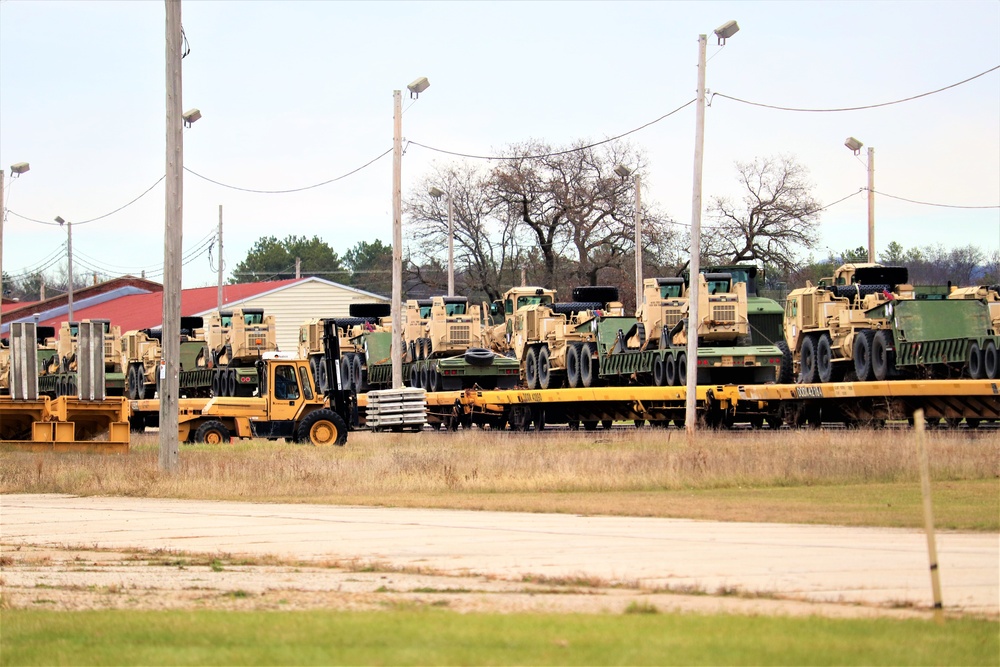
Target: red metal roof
143	311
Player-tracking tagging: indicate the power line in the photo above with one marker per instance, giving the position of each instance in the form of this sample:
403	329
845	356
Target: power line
927	203
868	106
557	153
282	192
100	217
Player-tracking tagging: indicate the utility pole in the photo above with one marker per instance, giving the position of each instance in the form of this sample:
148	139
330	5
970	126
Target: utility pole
298	268
395	350
638	242
219	295
690	412
871	204
3	214
69	264
451	246
173	237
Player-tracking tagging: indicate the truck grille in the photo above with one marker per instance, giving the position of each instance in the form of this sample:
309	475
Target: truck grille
671	316
724	313
460	335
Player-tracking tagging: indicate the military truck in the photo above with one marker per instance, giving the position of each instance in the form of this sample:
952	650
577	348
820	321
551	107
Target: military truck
285	407
235	340
651	349
443	351
142	353
57	377
765	315
363	317
828	328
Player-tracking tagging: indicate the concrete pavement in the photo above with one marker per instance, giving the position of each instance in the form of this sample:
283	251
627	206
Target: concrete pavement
876	566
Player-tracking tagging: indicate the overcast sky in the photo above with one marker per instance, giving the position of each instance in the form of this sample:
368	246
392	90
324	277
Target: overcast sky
296	93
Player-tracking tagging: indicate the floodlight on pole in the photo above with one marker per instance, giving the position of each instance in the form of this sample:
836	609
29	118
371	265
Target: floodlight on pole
19	168
437	194
396	347
624	172
723	32
190	117
855	146
69	265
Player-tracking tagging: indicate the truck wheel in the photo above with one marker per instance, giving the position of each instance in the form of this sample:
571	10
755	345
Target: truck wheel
544	368
975	361
659	372
682	369
322	428
414	376
670	370
212	433
863	355
883	358
588	366
807	361
531	368
991	361
573	366
321	379
357	372
479	356
824	358
785	371
231	381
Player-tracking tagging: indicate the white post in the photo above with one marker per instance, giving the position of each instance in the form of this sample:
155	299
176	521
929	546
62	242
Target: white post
925	492
219	291
690	412
173	236
871	204
638	242
451	247
69	267
397	240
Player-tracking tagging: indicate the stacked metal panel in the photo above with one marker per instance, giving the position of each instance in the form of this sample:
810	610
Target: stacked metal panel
396	409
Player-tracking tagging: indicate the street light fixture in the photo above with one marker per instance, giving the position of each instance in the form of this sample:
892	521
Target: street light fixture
190	117
69	254
855	146
624	172
437	194
396	348
19	168
723	32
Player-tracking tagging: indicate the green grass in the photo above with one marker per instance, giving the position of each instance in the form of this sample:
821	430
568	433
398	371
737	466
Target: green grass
407	637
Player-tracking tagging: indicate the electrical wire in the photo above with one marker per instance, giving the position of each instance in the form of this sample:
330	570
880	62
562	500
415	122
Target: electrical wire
867	106
100	217
557	153
927	203
282	192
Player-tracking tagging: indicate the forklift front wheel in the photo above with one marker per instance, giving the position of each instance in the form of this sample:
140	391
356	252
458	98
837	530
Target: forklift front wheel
322	428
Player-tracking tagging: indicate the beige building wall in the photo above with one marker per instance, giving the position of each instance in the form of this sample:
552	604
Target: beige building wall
311	298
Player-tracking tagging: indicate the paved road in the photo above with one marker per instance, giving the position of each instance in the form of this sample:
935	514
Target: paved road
820	563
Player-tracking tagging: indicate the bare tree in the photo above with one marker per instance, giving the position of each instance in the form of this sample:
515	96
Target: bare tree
776	216
486	249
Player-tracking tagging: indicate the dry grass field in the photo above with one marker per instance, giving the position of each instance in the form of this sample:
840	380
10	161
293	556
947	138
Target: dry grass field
836	477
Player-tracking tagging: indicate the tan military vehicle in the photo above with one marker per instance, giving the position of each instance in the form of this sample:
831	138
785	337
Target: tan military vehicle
828	329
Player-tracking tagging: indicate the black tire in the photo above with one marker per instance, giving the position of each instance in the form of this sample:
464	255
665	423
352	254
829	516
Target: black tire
785	371
212	433
824	358
479	356
358	375
975	365
807	361
682	369
883	356
520	417
216	382
413	351
544	369
606	424
531	368
588	366
322	428
991	360
863	355
131	387
538	416
433	379
573	366
670	370
425	377
414	376
321	379
659	372
71	388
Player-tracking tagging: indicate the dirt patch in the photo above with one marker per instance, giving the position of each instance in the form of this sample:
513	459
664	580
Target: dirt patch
78	579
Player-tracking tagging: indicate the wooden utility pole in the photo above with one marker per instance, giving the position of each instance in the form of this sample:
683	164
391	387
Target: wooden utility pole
871	204
396	346
173	241
219	295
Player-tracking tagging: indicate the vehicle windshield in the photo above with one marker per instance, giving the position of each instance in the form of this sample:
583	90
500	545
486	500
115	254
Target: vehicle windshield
534	300
454	309
718	286
671	291
253	318
425	312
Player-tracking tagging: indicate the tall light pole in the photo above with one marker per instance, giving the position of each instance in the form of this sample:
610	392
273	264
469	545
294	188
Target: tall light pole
396	348
723	32
855	146
437	194
69	264
624	172
15	170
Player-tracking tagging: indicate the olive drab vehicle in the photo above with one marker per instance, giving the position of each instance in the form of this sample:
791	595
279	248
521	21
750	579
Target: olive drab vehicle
442	350
142	352
57	375
765	315
235	340
498	323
